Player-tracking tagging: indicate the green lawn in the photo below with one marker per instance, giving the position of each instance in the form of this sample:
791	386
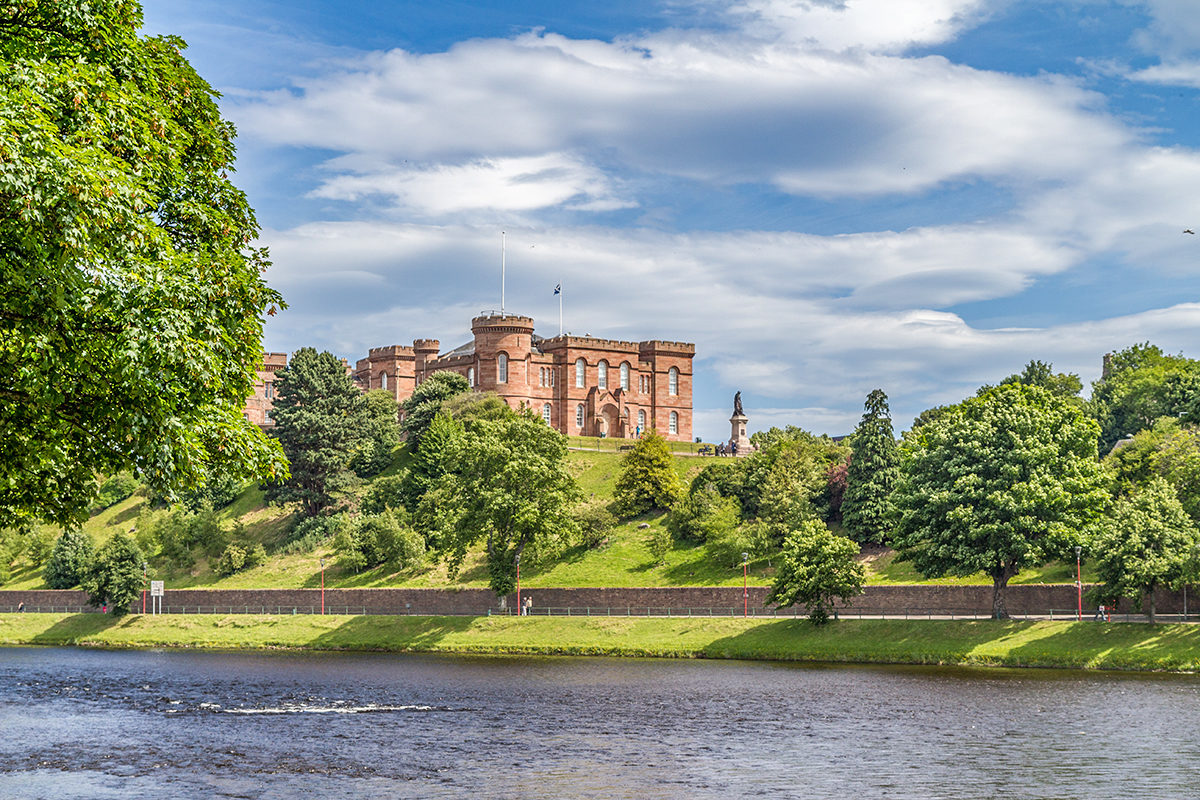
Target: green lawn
1041	644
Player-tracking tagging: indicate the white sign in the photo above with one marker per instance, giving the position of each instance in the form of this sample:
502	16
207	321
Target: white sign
156	588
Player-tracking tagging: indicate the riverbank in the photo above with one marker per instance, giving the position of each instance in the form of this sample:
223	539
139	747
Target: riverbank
1085	645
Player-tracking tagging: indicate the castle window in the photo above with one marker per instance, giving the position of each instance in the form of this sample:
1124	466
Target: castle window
502	368
269	389
673	382
266	415
471	375
546	413
383	380
625	375
673	423
579	416
602	375
580	366
642	421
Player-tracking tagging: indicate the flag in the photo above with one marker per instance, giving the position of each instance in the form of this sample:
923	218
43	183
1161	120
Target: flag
558	289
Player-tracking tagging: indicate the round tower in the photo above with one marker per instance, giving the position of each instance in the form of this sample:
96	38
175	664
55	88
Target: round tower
502	346
425	352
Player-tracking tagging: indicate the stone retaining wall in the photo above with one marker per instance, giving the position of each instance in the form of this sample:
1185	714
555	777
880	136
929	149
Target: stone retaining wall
916	599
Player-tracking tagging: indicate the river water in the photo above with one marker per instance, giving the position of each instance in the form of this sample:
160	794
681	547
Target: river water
146	724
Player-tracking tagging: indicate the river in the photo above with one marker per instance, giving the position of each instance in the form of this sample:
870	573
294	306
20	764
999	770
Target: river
145	724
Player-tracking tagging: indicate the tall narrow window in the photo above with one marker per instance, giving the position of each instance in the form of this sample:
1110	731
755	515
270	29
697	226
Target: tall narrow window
625	375
546	413
383	380
580	368
673	381
602	375
502	368
673	423
579	416
642	421
471	375
270	390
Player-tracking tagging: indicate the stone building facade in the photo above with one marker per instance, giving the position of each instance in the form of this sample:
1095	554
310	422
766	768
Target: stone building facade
581	385
258	405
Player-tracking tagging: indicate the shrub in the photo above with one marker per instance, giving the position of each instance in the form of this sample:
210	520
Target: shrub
378	539
648	479
595	522
115	489
660	543
231	561
69	560
312	532
385	494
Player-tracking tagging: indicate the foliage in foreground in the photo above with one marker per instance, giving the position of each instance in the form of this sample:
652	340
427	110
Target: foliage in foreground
131	302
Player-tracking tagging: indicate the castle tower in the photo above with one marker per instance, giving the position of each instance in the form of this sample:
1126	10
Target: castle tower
425	352
503	343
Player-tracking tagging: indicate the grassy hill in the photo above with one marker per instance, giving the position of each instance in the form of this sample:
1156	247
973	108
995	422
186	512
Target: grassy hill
623	560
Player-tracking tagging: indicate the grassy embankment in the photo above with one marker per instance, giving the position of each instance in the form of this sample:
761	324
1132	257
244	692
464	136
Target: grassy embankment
624	561
1026	644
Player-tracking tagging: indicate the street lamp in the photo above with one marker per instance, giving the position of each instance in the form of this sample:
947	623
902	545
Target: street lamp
322	586
143	587
517	558
1079	583
745	590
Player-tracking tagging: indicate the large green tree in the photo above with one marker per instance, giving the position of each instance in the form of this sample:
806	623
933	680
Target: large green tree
1148	542
507	485
69	560
115	577
426	400
815	568
871	476
1041	373
321	419
1004	481
131	299
383	435
1140	385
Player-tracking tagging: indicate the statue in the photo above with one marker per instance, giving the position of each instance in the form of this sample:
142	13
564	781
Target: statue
737	405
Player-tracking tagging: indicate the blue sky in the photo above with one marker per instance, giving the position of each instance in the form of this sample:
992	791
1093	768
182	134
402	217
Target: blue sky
827	196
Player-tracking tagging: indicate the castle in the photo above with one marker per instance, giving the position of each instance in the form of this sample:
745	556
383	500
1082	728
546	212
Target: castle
581	385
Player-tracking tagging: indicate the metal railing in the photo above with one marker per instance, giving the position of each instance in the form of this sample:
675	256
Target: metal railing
617	611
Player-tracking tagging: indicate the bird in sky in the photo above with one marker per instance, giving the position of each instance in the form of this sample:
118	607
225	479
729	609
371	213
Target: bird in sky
1189	230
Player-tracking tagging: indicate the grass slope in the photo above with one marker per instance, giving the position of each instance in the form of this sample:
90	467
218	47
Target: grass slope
1025	644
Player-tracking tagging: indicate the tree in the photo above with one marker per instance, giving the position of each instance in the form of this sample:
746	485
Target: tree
1041	373
648	479
69	561
382	436
115	577
320	419
1140	385
872	474
426	400
1004	481
131	304
509	487
1148	543
816	567
435	458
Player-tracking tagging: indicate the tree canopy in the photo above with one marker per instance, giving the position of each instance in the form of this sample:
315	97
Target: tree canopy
131	299
115	576
1004	481
321	419
1141	385
648	479
872	473
815	568
426	400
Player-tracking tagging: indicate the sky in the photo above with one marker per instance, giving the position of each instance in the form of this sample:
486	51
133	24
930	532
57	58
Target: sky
826	196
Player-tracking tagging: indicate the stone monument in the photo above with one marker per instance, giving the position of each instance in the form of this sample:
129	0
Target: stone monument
739	442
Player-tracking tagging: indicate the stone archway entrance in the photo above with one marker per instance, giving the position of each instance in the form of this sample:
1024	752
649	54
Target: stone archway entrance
608	421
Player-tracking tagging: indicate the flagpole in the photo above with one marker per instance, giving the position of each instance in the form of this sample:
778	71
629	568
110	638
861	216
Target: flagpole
502	273
560	294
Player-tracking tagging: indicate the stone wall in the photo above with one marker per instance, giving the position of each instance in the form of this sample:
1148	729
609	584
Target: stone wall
892	600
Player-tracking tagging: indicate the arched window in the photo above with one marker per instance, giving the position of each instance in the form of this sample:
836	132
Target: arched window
383	380
642	421
546	413
579	416
602	374
673	423
580	368
673	381
502	368
471	375
625	375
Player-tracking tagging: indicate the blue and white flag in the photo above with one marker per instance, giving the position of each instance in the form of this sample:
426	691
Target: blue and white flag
558	289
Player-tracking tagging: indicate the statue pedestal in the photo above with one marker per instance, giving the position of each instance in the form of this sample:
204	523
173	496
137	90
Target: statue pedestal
738	435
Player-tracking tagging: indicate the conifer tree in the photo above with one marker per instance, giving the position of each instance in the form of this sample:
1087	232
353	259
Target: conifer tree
874	468
648	479
320	419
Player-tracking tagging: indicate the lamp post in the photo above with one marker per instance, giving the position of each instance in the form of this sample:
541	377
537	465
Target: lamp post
322	586
1079	583
143	587
518	560
745	590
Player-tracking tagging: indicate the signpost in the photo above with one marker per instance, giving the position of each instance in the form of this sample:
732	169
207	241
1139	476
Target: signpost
156	593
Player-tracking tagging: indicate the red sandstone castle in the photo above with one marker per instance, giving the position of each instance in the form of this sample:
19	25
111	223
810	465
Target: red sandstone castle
581	385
